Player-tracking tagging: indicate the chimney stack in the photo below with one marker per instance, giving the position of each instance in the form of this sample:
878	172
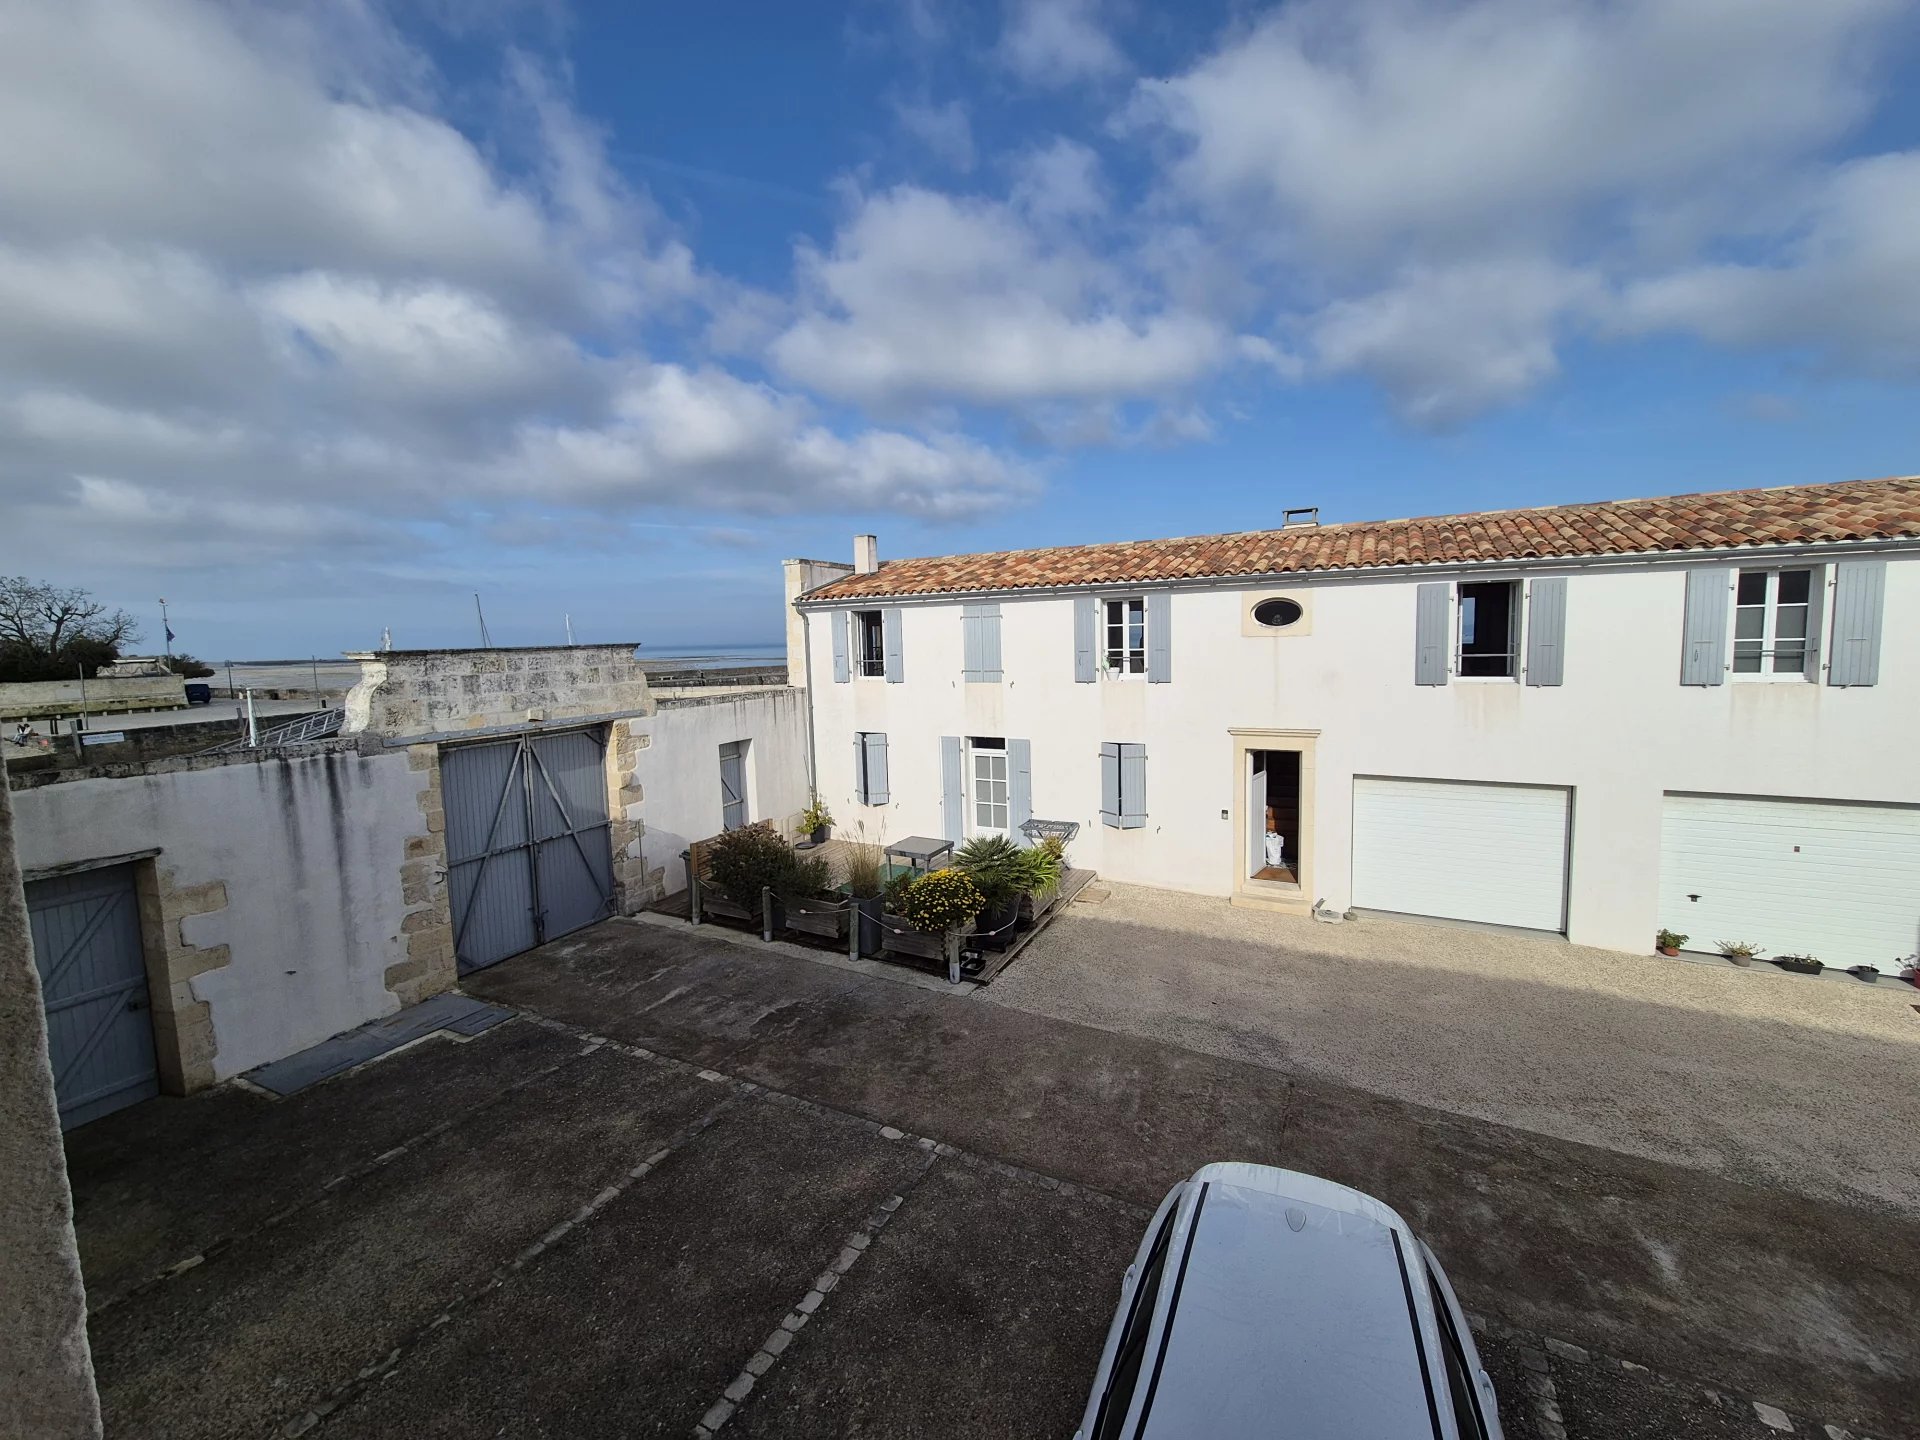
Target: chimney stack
866	554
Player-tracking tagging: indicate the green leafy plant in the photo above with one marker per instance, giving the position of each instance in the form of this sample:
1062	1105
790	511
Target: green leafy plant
741	862
1045	863
1669	940
1738	949
938	902
896	890
807	878
996	866
864	865
815	816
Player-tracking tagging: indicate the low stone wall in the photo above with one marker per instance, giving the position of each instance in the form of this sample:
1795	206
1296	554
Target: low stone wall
36	699
414	694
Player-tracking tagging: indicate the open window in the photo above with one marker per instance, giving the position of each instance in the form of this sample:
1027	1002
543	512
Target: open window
1126	636
869	643
1771	623
1489	636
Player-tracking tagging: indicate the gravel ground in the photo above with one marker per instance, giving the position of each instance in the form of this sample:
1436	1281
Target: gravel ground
1807	1084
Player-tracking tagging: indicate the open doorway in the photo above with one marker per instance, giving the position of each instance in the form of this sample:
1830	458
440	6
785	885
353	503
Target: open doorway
1273	814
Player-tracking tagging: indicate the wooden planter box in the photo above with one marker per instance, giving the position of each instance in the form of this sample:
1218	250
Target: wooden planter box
825	918
903	939
712	902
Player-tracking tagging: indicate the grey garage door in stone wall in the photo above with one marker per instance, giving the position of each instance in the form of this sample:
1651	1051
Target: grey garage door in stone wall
528	855
93	984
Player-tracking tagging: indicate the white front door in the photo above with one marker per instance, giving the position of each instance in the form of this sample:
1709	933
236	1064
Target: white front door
1462	851
1796	877
987	779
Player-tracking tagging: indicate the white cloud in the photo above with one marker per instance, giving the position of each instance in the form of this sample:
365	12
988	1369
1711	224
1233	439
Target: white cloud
1846	288
925	296
1059	182
1058	42
1447	344
1434	193
254	286
946	130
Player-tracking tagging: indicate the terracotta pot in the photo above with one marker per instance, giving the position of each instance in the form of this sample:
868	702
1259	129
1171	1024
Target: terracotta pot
1669	950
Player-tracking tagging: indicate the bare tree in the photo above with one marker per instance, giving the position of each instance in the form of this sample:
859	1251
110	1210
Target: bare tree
45	630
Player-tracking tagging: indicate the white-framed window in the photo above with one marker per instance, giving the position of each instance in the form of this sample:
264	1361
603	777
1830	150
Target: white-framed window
1487	645
869	643
988	807
1771	613
1126	636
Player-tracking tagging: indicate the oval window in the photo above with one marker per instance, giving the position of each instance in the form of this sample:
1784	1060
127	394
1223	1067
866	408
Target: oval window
1276	614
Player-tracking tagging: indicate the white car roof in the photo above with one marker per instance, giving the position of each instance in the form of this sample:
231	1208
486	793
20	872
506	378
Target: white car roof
1302	1308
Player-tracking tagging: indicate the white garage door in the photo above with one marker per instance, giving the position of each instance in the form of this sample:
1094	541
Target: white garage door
1462	851
1805	877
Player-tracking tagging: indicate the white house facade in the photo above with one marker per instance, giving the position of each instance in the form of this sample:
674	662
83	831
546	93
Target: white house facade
1697	712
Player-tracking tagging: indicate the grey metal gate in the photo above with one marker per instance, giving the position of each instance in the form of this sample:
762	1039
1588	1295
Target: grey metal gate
93	982
528	853
733	784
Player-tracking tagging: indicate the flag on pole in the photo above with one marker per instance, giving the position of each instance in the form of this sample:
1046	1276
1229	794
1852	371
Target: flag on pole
169	631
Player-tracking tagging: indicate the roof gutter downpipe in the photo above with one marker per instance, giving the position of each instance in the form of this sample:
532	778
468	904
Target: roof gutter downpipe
806	646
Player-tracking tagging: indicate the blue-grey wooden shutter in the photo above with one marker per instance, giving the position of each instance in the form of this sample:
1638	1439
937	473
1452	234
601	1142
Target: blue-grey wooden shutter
953	790
837	622
981	633
1110	784
1133	786
890	638
1430	633
1019	787
1703	641
876	769
1859	591
860	769
1159	636
1546	630
1086	626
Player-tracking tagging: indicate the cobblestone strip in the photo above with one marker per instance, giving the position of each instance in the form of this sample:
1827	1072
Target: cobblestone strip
796	1319
1538	1352
366	1167
380	1369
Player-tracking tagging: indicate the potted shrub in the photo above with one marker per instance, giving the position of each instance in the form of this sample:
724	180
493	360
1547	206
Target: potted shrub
1868	973
1740	952
1046	866
1000	871
934	904
810	903
1800	964
816	821
740	864
1668	942
865	864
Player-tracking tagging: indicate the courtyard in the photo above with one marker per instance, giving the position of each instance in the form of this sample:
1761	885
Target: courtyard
694	1185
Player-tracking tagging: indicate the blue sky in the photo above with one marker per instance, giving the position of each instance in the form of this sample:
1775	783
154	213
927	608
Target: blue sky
318	319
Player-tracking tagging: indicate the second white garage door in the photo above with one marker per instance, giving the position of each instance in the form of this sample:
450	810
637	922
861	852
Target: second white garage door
1462	851
1810	877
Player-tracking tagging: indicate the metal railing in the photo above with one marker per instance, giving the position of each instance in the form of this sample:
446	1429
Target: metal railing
307	730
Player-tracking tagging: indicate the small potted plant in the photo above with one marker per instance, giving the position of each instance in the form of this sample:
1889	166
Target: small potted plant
1668	942
1740	952
1800	964
816	821
1868	973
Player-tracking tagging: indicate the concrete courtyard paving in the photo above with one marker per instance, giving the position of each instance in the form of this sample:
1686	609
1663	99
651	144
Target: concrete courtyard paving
698	1184
1811	1084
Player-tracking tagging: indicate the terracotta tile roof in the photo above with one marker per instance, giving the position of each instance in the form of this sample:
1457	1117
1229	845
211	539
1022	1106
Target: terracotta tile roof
1791	514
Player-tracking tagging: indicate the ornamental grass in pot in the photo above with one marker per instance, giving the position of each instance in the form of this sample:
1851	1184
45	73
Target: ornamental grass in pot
866	866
